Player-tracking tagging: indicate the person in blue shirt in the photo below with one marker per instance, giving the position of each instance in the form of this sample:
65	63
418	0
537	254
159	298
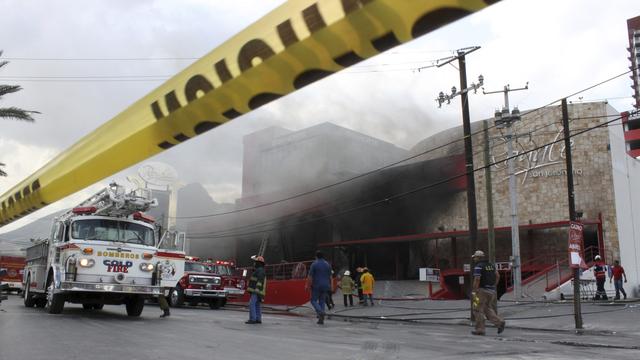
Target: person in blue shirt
319	281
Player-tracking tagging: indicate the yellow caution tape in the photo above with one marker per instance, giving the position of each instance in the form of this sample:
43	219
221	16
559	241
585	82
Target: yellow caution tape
296	44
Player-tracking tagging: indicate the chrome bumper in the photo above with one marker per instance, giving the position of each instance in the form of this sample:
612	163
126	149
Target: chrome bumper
234	291
13	285
203	293
109	288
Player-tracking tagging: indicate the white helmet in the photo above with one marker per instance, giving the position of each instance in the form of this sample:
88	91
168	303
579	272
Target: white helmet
347	273
597	257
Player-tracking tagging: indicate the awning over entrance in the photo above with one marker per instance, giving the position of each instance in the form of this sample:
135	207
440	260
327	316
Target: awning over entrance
450	234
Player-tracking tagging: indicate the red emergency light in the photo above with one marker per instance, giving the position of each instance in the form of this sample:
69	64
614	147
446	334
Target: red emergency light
84	210
143	217
220	262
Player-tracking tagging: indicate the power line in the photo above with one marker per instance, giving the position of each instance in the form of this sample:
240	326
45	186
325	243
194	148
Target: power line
388	165
396	196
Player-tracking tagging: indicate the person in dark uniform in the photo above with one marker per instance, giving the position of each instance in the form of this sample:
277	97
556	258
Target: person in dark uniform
358	285
164	305
485	278
257	288
600	272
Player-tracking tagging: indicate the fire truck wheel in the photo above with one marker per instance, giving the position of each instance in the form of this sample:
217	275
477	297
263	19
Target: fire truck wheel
215	304
98	306
176	297
29	300
135	306
55	302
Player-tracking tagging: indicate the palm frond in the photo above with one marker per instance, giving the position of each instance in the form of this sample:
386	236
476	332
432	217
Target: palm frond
17	114
3	63
8	89
2	173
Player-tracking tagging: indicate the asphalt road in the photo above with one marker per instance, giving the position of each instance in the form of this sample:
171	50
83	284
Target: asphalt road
201	333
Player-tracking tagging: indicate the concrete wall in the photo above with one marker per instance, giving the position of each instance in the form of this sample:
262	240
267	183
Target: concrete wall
540	175
626	177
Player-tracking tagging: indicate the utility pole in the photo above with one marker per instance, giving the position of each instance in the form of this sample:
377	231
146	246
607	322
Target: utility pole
466	125
504	119
491	235
577	312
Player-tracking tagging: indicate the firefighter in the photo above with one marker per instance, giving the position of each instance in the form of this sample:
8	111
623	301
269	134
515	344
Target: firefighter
347	285
358	285
164	306
257	288
485	278
367	282
600	272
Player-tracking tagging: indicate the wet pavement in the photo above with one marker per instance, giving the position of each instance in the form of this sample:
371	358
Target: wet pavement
388	330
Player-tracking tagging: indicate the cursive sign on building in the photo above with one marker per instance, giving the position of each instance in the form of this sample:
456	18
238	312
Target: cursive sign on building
531	163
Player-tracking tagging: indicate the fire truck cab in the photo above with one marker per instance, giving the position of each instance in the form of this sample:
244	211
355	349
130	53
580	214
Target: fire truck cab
100	252
11	271
198	285
234	284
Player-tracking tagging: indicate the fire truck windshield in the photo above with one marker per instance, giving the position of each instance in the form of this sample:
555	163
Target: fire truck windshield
220	269
194	267
112	230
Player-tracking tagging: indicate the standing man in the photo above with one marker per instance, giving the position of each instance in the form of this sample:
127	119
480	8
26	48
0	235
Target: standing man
367	282
347	285
257	288
600	272
319	282
162	301
485	278
359	285
617	272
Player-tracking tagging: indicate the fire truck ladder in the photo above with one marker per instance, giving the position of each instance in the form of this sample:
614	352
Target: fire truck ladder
113	201
263	245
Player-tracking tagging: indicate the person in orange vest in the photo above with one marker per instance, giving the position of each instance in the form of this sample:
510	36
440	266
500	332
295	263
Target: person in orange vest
600	272
367	282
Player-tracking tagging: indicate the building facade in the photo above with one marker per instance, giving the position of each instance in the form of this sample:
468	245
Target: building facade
633	28
413	213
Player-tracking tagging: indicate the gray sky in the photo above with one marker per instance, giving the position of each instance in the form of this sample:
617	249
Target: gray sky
558	46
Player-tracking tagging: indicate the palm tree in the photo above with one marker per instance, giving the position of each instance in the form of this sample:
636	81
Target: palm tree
12	112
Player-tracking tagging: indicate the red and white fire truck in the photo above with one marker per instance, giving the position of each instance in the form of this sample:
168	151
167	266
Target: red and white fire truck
11	270
198	285
234	283
104	251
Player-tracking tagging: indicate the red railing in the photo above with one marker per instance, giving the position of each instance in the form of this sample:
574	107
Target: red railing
532	269
562	271
553	266
287	271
